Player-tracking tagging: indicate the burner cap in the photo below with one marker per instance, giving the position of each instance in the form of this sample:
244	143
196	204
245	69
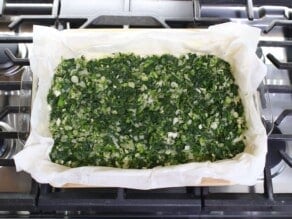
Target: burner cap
5	63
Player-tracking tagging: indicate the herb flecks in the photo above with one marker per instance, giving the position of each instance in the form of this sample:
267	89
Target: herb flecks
129	111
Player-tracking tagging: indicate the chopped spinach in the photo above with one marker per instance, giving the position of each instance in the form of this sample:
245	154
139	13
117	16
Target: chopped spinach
130	111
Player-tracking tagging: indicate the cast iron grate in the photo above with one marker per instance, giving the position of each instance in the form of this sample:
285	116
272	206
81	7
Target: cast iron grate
186	202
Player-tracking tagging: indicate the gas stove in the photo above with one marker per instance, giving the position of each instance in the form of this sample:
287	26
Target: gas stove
21	196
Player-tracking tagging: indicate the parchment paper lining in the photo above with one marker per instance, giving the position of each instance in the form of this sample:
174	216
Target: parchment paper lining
234	43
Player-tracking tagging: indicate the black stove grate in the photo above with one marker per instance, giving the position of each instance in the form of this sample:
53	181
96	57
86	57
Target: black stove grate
173	201
186	202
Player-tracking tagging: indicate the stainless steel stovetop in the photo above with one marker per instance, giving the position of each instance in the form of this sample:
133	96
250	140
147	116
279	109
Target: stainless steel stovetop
271	196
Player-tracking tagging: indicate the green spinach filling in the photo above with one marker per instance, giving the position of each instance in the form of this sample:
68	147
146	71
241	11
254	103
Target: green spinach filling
130	111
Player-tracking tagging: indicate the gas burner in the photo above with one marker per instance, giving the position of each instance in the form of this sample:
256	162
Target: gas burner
276	161
3	148
7	67
7	146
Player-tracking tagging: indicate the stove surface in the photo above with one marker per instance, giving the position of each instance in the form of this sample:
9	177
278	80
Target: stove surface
271	196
